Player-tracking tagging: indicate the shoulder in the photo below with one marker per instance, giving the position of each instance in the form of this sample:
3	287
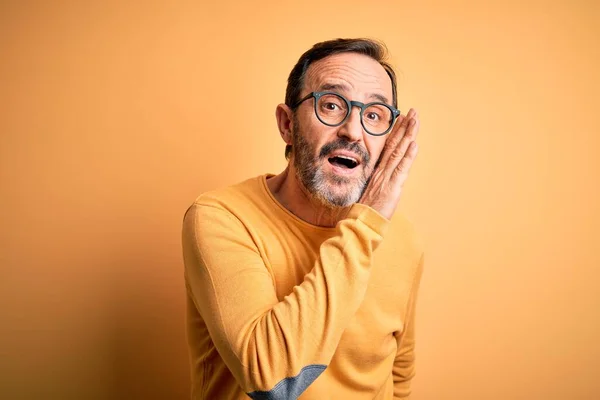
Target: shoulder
239	207
220	213
229	199
229	195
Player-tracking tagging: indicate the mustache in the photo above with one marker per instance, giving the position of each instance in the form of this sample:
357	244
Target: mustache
343	144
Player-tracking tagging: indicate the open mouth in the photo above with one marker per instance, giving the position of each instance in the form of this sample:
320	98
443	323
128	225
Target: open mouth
343	162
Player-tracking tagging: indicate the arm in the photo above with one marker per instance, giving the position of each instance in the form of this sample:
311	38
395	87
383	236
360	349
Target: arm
404	363
262	340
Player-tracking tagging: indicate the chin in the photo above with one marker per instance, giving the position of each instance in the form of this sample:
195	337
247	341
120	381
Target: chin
336	191
332	189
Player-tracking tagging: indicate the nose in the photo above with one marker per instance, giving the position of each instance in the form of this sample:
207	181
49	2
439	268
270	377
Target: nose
352	129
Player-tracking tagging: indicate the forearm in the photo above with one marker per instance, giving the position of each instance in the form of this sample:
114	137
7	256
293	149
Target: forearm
262	340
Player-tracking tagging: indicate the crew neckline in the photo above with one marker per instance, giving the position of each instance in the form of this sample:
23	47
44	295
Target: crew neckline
263	179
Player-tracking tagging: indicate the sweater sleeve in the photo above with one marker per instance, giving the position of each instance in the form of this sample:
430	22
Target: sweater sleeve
404	364
275	349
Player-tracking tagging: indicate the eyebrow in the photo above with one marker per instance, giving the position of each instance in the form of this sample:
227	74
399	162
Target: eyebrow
342	87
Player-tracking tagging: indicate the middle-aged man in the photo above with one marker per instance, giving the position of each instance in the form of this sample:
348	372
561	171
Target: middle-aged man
300	284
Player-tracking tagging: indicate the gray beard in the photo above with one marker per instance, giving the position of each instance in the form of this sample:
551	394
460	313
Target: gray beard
320	184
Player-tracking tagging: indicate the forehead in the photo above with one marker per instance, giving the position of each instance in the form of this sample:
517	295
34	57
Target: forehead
358	72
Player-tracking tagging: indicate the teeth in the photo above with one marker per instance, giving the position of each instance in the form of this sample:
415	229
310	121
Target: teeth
348	158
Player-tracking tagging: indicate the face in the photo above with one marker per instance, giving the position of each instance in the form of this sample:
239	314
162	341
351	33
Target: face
335	163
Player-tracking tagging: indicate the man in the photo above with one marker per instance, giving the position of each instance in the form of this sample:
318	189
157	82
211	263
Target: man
299	284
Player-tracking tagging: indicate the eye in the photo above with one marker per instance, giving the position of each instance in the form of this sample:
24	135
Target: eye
331	105
373	116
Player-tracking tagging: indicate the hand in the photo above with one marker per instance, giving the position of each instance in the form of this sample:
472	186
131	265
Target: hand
384	189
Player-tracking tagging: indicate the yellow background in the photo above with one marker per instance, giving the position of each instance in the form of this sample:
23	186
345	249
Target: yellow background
115	115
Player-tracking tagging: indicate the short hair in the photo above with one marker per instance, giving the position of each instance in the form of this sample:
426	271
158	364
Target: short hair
369	47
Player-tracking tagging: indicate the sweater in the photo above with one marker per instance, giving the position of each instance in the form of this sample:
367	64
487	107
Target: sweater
278	308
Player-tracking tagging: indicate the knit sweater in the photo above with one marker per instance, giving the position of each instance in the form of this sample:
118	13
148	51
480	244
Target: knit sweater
278	308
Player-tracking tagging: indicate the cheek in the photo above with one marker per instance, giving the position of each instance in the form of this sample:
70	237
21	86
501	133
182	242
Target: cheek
308	140
307	125
316	134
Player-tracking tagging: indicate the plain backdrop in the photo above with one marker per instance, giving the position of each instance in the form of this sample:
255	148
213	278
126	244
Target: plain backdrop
114	116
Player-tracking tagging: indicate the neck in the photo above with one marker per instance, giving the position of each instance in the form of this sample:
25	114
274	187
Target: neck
292	194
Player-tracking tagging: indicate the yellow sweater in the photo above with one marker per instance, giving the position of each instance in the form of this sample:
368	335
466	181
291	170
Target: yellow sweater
279	308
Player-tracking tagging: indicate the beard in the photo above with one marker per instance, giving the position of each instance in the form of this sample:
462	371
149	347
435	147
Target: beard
329	189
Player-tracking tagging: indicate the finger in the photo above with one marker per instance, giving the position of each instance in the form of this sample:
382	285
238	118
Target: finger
395	138
398	153
410	135
399	133
397	124
404	165
414	130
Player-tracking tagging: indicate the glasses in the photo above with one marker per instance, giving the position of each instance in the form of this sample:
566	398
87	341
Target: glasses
333	109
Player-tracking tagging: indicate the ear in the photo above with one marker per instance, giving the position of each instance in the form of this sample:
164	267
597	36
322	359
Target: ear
283	114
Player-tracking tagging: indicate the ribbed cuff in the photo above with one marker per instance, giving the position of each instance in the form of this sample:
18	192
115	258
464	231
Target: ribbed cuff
369	217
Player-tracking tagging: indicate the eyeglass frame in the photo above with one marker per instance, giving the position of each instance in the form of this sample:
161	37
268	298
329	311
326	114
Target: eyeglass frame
350	104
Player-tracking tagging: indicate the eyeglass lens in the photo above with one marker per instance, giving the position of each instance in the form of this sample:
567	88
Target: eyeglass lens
333	109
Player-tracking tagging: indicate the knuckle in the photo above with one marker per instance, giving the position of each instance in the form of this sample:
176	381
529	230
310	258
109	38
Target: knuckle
392	144
403	165
397	152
